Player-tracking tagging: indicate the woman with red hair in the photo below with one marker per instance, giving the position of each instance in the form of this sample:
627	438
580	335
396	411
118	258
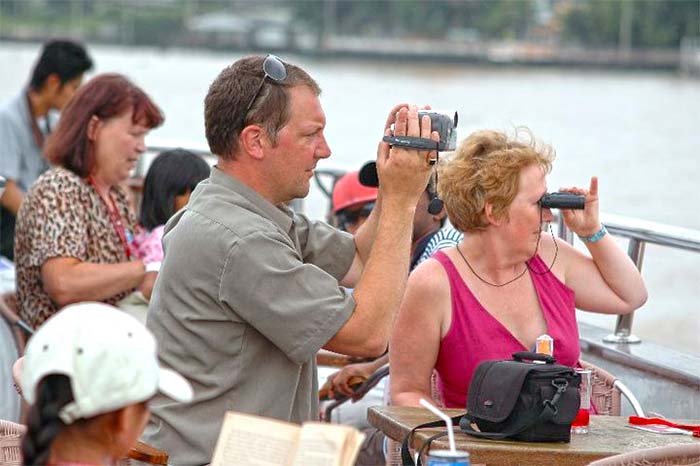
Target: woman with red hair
75	227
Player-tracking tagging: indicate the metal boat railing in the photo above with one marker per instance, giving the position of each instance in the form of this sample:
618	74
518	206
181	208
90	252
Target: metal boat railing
639	233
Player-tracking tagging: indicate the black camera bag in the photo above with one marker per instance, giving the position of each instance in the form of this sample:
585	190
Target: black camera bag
516	399
521	400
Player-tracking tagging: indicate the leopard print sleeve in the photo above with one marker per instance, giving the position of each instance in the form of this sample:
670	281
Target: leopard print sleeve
55	219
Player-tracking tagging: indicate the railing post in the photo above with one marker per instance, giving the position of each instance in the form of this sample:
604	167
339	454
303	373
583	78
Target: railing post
564	233
623	327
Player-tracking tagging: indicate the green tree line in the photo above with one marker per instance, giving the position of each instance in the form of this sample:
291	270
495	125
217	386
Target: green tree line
599	23
652	23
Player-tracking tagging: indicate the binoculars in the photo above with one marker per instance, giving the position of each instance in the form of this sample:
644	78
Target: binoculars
563	201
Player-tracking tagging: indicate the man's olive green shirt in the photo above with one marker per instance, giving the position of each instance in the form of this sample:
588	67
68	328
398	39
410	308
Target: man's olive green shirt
247	294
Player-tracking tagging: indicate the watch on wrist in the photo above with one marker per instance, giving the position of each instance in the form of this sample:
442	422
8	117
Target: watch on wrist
595	237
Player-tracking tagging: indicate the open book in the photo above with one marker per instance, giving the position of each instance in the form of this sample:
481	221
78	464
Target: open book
247	440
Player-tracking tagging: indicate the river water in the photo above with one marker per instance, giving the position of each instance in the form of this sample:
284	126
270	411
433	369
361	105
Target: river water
638	131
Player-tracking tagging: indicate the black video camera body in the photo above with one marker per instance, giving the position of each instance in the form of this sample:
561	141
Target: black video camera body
445	125
563	201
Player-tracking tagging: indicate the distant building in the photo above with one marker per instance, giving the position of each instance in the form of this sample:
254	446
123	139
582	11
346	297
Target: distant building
263	29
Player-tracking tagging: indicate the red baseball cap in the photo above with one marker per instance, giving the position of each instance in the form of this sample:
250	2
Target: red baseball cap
348	192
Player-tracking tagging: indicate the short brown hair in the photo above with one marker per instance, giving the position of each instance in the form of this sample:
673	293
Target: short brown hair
104	96
486	169
232	91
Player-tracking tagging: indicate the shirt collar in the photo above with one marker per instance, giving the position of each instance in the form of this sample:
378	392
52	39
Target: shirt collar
281	215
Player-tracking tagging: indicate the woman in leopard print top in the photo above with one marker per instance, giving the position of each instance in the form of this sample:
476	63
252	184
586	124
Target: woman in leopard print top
75	226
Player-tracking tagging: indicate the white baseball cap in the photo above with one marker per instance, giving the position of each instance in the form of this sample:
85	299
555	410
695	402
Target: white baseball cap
109	356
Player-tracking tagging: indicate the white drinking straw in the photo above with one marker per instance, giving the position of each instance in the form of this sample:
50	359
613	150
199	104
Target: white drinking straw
448	422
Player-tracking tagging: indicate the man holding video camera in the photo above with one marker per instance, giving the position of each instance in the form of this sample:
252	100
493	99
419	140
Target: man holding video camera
249	291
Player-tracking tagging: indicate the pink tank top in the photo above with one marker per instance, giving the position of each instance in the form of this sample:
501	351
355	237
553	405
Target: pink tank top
476	336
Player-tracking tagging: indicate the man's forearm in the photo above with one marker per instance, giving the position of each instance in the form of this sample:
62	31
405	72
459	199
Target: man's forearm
364	237
380	289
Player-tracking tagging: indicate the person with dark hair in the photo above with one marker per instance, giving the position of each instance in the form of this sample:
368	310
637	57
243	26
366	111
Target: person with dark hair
88	375
249	290
75	226
170	180
56	76
430	234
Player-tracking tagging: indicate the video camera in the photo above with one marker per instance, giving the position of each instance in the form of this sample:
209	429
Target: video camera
445	125
563	201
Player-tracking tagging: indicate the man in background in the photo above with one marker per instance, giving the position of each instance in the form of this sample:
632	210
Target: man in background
352	202
430	229
430	234
25	122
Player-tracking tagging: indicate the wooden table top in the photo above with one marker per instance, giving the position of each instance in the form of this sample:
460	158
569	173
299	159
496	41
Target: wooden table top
607	436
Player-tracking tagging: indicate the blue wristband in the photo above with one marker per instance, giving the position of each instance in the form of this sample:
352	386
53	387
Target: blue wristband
595	237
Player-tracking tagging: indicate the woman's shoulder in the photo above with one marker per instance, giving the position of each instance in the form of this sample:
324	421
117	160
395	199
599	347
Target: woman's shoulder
429	277
58	187
553	248
57	179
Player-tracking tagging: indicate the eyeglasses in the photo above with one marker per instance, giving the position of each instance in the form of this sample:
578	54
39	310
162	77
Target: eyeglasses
347	217
275	70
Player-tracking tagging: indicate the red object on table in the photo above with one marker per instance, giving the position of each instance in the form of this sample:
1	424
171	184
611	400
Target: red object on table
643	421
582	418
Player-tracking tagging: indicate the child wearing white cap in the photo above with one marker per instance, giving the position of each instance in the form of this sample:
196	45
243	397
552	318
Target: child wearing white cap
88	374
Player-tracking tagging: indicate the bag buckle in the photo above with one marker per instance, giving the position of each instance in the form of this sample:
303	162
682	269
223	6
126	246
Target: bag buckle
561	385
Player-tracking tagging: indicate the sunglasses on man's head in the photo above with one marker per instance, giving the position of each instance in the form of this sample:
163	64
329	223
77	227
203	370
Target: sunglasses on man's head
275	70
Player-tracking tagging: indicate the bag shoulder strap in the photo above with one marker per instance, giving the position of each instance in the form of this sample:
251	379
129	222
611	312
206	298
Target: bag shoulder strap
545	415
406	458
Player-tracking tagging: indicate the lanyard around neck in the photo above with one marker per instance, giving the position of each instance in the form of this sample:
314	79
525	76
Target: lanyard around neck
114	217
